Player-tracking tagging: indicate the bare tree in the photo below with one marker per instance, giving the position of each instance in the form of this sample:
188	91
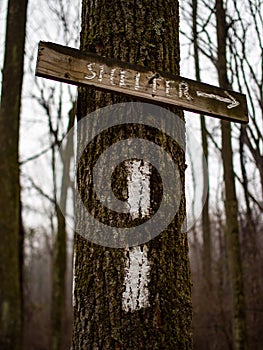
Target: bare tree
55	106
243	71
11	248
207	260
231	206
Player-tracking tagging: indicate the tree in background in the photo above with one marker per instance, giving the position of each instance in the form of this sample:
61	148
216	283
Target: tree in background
11	247
206	258
245	70
239	325
55	106
237	63
60	247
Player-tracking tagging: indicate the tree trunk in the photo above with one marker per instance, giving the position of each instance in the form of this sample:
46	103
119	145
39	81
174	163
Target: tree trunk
58	304
206	281
10	219
251	256
207	261
104	317
231	207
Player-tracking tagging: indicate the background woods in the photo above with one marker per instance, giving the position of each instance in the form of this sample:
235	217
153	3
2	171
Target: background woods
221	44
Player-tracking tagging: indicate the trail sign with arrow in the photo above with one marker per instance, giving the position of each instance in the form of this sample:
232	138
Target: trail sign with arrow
81	68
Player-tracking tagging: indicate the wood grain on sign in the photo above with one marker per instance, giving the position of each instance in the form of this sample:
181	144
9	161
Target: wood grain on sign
82	68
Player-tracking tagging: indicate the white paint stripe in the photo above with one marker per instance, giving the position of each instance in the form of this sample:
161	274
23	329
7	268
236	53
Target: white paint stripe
138	188
137	271
136	294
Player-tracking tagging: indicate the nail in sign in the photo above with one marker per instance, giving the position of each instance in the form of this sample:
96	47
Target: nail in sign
80	68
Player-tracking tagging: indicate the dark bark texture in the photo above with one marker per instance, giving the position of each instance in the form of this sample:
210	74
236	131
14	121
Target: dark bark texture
145	33
10	219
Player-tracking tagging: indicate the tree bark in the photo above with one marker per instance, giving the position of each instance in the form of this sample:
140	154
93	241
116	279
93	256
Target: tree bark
11	246
231	206
142	33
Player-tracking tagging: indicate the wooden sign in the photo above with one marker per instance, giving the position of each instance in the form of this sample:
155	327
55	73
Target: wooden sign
82	68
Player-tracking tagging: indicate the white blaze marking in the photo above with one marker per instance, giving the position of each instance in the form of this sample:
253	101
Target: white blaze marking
138	188
136	294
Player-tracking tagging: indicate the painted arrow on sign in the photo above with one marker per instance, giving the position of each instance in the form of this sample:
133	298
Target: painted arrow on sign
230	99
82	68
